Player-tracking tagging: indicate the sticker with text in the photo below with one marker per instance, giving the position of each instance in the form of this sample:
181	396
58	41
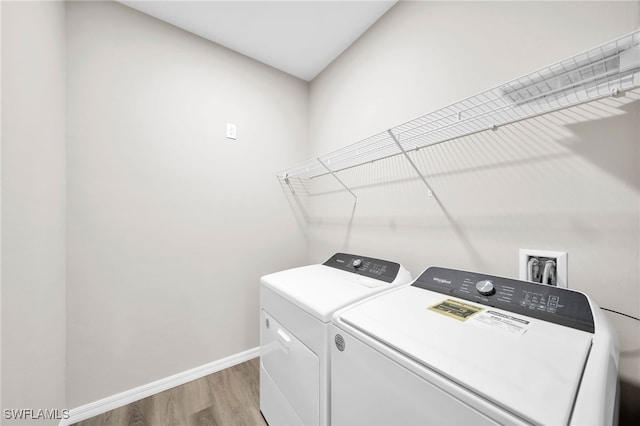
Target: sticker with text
455	309
504	322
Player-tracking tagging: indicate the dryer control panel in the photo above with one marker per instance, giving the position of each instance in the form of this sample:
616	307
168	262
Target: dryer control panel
545	302
378	269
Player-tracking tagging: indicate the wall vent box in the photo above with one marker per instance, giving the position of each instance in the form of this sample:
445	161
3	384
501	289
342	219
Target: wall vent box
559	257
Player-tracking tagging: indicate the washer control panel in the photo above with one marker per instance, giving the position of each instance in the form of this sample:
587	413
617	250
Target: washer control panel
378	269
545	302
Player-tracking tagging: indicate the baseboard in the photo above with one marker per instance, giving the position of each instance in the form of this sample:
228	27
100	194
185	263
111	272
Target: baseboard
127	397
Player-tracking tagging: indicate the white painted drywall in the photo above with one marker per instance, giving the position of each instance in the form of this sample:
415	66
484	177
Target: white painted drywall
0	206
33	215
568	181
1	405
169	224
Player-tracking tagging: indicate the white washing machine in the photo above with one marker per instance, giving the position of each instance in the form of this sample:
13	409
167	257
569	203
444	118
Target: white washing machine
296	310
465	348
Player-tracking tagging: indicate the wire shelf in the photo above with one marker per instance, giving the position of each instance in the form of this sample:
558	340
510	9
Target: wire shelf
607	70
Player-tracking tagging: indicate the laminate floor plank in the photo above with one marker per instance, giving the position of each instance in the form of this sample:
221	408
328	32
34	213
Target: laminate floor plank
137	414
202	418
226	398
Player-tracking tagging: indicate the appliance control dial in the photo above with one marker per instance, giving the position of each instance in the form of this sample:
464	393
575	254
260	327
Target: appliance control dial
485	287
357	263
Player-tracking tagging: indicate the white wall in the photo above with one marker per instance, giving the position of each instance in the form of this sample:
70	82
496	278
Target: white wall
33	195
1	405
567	181
170	225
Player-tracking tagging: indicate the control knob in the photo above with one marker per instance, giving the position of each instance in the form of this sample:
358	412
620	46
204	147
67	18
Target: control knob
485	287
357	263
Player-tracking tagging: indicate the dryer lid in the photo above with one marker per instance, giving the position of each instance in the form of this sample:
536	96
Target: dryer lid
320	290
524	365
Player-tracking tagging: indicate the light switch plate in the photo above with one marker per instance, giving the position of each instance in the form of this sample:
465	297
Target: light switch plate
231	131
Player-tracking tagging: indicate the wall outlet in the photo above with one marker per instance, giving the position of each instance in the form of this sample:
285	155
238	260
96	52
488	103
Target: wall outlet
231	131
558	276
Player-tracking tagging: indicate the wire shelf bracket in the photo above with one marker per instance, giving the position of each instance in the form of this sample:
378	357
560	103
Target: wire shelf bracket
355	197
337	178
424	180
610	69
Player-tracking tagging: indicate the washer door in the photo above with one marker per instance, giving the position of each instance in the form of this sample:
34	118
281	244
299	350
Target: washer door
368	388
293	367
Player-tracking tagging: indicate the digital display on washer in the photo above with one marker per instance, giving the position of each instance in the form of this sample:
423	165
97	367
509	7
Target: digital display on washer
545	302
378	269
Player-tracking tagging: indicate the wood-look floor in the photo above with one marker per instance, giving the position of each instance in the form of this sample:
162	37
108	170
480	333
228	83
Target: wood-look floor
228	397
231	397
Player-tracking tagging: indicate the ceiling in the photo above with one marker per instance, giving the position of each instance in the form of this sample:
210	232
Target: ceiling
298	37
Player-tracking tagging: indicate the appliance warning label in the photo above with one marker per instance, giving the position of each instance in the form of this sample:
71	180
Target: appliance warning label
504	322
455	309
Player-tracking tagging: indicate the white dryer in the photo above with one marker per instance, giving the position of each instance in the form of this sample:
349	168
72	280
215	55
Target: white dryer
296	310
465	348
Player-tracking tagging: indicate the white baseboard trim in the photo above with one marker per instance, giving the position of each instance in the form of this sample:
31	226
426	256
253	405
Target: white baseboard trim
127	397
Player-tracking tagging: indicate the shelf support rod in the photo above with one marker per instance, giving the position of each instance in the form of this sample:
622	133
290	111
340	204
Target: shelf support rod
337	178
430	193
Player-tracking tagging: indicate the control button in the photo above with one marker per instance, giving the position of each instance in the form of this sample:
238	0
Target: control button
357	263
485	287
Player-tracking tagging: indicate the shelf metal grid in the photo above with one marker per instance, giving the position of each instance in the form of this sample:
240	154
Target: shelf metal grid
606	70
